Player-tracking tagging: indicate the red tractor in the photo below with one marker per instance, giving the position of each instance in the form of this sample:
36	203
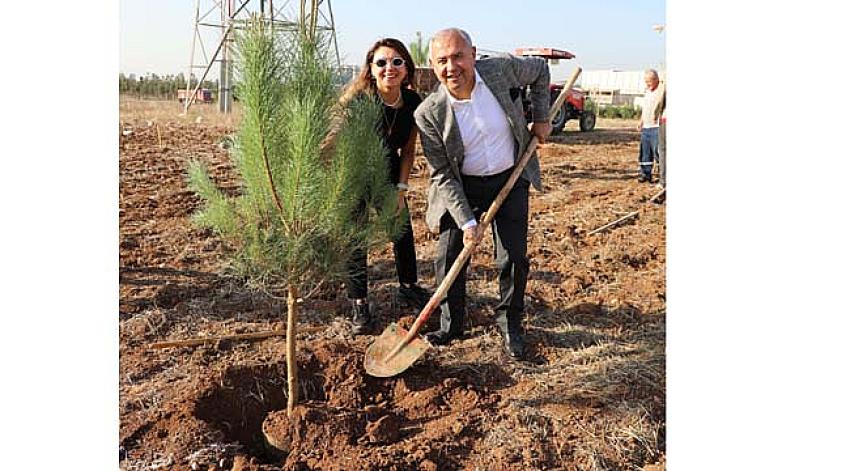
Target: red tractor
574	105
203	95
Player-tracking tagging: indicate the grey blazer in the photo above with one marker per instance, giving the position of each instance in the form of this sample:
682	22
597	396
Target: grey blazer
442	143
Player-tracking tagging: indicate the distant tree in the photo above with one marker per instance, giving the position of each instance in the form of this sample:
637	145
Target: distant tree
180	81
154	85
419	51
292	224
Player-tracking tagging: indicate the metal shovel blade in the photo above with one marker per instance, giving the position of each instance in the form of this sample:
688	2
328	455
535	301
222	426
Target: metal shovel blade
376	362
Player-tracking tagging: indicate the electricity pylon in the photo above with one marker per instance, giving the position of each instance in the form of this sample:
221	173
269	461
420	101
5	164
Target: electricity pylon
221	18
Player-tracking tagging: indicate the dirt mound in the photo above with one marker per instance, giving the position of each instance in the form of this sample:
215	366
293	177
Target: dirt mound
345	419
376	423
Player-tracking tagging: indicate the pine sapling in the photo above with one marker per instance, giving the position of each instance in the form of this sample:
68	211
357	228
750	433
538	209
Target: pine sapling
292	223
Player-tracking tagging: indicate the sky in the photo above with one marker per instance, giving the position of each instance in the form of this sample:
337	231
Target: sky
155	35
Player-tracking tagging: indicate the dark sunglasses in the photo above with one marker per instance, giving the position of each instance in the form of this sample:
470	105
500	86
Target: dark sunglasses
396	62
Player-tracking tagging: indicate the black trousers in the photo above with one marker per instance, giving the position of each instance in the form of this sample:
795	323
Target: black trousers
403	249
510	239
405	264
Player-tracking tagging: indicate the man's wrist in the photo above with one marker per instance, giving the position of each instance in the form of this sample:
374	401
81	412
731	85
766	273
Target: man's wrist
469	224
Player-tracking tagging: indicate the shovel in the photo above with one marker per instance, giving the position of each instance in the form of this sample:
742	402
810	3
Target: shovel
396	349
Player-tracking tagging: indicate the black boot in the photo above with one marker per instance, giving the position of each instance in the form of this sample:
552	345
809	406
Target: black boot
414	295
510	323
451	327
441	337
514	345
361	318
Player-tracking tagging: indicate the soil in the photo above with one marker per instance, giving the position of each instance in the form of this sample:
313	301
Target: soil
590	396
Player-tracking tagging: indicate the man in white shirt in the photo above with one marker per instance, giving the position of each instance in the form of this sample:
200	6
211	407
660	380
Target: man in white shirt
648	126
473	131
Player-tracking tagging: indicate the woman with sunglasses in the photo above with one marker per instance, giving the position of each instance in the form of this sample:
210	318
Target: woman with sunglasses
386	76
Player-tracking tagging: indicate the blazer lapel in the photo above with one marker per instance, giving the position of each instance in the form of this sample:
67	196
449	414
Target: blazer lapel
451	132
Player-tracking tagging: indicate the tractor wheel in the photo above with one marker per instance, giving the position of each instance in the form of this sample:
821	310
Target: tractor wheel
587	121
560	120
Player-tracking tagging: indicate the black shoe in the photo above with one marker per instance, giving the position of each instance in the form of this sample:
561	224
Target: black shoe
414	295
441	337
514	345
361	318
643	178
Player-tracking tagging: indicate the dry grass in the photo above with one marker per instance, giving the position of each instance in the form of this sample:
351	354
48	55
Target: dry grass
614	368
133	110
605	123
614	388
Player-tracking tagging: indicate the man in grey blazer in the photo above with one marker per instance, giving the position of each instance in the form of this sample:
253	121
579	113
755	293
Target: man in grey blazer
473	131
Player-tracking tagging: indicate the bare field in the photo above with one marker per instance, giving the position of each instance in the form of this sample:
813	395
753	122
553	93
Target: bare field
592	396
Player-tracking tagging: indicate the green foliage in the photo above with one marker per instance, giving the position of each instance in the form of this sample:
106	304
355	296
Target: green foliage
293	221
629	112
622	112
419	51
219	211
155	86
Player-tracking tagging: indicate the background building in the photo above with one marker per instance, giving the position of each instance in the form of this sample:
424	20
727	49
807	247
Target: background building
614	87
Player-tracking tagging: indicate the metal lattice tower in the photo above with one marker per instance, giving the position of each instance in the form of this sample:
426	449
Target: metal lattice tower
219	19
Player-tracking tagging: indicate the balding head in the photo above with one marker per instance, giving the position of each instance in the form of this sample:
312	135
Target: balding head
650	77
452	57
445	34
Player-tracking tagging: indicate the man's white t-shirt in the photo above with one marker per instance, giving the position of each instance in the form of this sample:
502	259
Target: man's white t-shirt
648	105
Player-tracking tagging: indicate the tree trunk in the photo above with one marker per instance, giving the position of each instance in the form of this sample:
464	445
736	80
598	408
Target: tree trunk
291	364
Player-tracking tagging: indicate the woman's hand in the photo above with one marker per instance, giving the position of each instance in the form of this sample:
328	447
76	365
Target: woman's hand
401	202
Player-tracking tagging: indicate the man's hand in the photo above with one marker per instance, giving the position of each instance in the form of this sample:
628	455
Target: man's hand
542	131
472	235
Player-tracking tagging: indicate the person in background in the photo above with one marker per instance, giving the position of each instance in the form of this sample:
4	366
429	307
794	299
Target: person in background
473	133
648	126
661	117
386	76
